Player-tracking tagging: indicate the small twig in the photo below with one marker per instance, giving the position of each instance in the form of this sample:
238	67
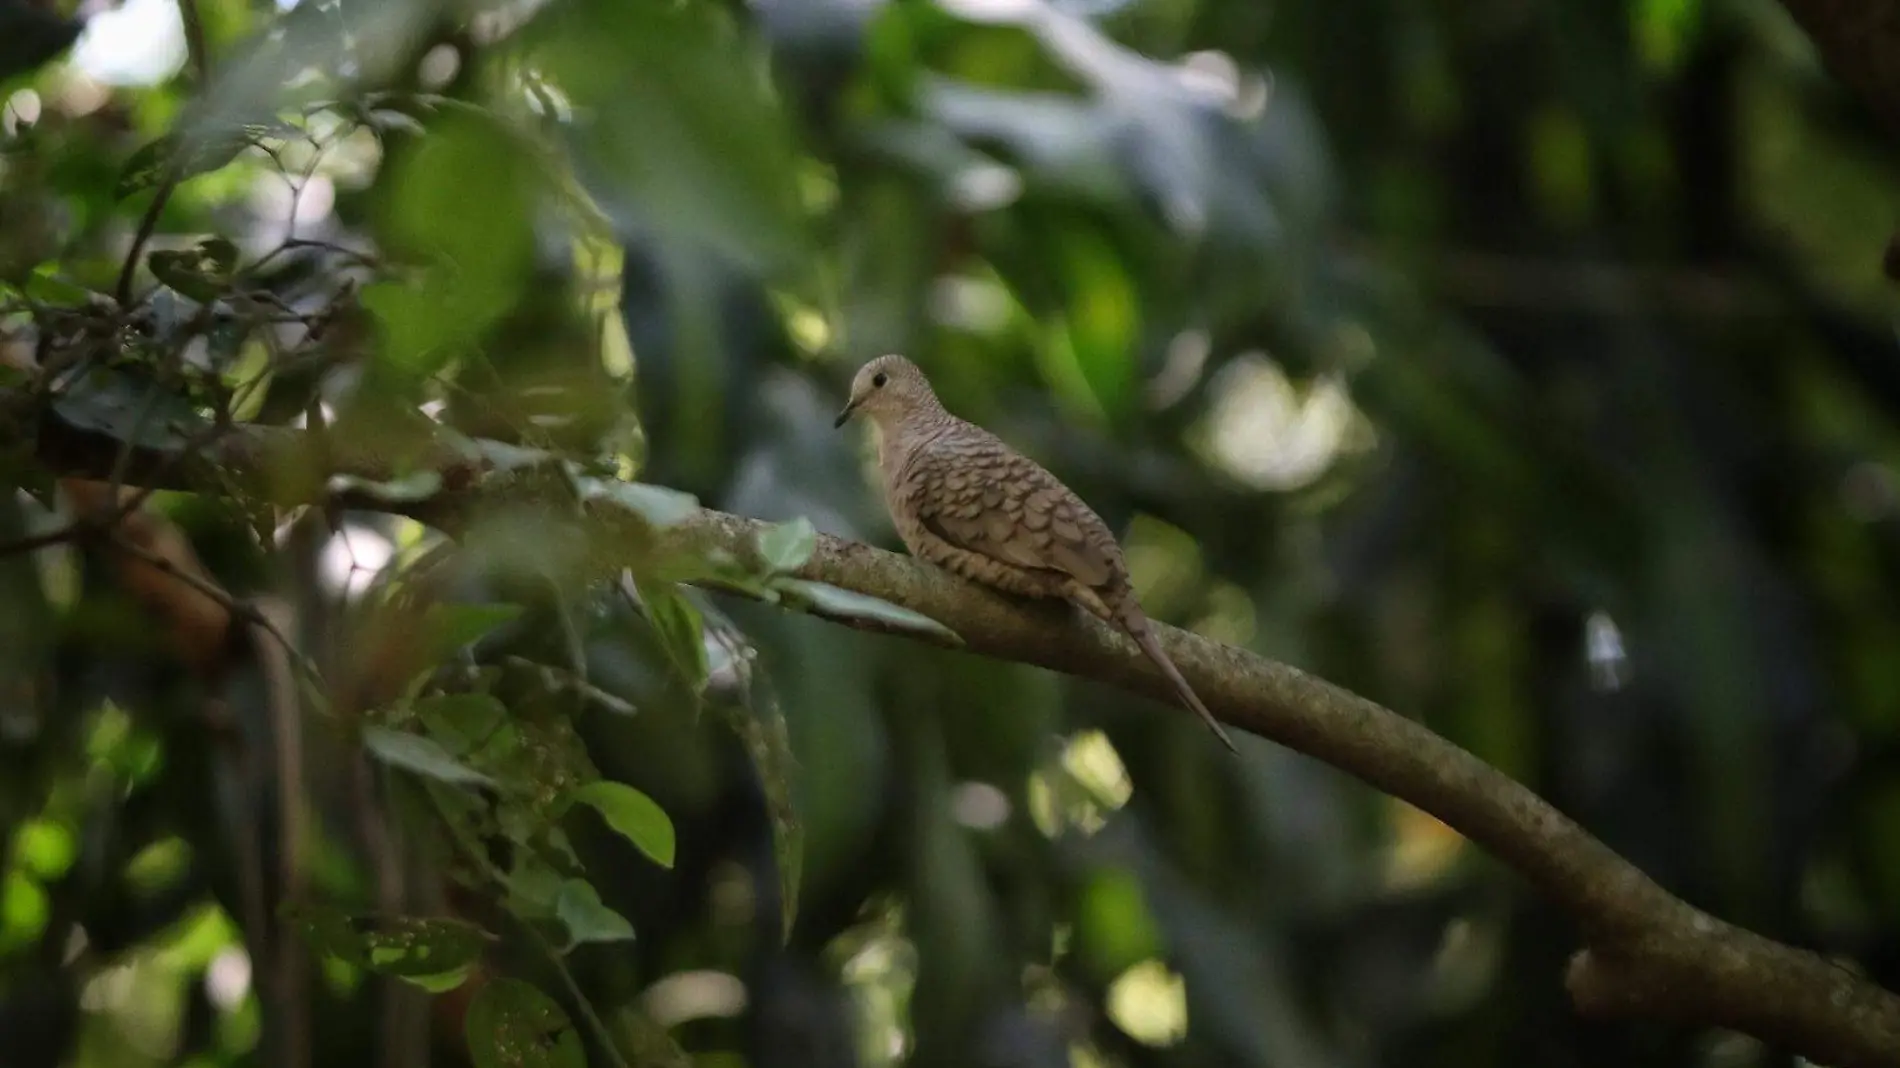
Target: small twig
195	41
65	532
587	691
477	854
201	66
291	963
81	527
599	1026
149	223
249	859
123	462
386	858
86	525
362	259
240	610
297	187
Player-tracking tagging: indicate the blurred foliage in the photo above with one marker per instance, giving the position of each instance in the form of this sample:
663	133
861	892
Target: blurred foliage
1524	367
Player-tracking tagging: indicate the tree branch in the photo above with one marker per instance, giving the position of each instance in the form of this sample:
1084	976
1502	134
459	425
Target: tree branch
1648	953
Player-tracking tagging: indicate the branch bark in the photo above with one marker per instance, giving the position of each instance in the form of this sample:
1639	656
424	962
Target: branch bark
1647	953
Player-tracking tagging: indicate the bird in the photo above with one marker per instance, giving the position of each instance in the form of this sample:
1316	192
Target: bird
964	500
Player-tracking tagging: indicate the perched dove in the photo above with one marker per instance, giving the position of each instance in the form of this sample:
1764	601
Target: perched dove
965	501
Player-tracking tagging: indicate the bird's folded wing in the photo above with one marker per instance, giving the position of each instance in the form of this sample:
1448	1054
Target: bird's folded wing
988	500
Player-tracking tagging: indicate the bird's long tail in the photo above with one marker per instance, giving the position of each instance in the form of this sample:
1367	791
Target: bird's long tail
1136	624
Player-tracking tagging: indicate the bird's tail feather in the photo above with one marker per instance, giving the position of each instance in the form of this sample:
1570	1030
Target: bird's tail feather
1139	629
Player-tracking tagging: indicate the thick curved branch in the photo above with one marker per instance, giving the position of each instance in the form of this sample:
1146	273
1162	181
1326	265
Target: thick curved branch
1651	954
1648	953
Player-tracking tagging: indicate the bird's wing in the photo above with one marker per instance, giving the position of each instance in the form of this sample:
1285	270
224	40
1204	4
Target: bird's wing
976	493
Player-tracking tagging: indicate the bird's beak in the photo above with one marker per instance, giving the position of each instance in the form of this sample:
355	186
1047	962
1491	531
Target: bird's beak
844	415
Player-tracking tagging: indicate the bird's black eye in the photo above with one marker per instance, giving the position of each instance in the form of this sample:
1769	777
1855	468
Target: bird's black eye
878	380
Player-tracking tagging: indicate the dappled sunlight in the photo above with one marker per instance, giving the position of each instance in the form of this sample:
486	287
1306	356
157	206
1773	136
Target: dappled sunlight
696	995
489	628
138	998
352	558
138	42
979	806
1421	850
1603	649
22	109
1086	783
880	976
1091	760
1149	1003
1267	433
975	303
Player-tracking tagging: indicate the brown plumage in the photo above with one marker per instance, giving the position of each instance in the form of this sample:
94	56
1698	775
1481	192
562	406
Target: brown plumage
966	502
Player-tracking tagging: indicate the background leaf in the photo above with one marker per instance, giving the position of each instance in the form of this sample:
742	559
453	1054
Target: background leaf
824	599
413	752
1531	375
658	506
511	1024
786	546
578	907
406	946
634	815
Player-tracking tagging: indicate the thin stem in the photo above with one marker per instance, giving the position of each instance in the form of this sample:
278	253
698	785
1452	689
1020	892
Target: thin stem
475	853
195	41
200	60
121	508
594	1021
239	610
147	224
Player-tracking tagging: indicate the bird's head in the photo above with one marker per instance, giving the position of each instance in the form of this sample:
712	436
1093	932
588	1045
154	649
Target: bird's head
887	388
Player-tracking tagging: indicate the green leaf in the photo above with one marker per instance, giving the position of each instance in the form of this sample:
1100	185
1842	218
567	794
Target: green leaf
414	753
761	726
440	982
649	1043
48	285
831	602
473	275
424	948
428	949
1115	929
659	506
145	168
587	920
203	273
533	887
684	142
418	338
510	1024
787	546
128	407
634	815
199	153
405	489
501	456
1087	356
682	631
461	722
452	626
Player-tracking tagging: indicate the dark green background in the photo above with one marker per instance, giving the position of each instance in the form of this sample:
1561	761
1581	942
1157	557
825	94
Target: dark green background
1567	383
